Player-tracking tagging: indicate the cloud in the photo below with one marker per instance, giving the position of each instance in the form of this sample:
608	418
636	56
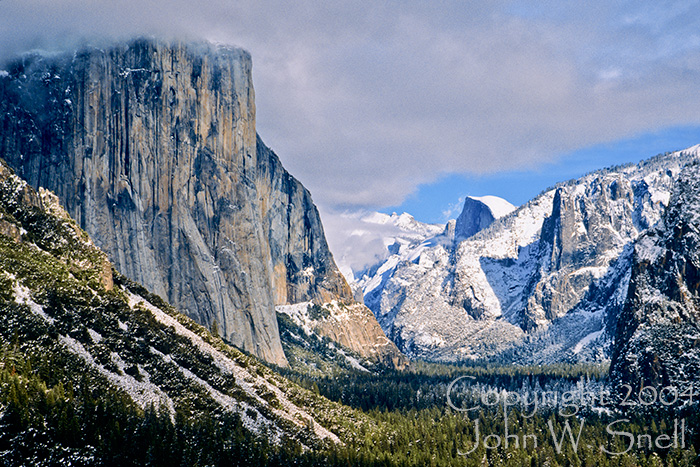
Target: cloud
364	101
356	243
453	209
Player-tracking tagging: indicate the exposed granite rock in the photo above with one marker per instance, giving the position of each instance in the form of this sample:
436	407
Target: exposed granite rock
542	284
352	326
152	148
303	267
475	216
9	229
357	329
589	226
657	339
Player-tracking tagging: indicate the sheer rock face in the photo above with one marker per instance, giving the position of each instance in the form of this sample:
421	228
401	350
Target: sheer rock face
303	267
543	284
475	217
657	339
152	148
589	226
357	329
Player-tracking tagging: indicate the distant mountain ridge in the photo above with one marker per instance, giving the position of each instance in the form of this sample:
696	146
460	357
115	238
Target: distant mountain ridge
545	283
409	237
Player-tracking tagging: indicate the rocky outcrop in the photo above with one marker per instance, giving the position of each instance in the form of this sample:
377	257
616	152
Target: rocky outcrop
152	148
37	220
355	327
544	283
588	227
352	326
478	213
657	338
475	216
302	264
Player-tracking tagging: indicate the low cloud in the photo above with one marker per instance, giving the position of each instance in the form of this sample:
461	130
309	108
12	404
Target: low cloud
355	243
364	102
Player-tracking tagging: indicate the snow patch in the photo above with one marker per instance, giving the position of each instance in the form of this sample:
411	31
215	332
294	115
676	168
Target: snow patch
308	272
647	250
427	340
299	314
95	336
355	363
587	340
23	297
229	403
499	207
693	150
143	393
246	380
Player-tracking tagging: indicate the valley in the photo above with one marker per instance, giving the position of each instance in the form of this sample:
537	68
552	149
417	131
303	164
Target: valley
168	296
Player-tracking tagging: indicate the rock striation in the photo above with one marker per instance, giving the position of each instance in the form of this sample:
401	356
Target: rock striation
152	148
545	283
657	338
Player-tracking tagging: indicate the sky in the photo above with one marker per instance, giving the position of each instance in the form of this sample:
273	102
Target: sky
412	105
443	199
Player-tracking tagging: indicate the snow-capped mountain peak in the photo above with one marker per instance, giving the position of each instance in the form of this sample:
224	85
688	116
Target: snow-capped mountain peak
540	283
499	207
362	240
480	212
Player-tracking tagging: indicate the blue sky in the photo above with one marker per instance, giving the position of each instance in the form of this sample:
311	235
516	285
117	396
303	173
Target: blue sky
442	200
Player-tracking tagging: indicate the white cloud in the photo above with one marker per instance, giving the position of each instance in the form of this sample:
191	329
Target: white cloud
356	244
363	101
453	209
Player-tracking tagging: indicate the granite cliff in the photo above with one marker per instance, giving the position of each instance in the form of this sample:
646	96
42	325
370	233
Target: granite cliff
478	213
657	335
544	283
152	148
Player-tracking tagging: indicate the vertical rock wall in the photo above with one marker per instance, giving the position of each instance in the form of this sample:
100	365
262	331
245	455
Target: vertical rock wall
152	148
657	338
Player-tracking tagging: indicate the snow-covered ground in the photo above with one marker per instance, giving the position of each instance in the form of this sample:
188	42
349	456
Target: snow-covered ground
248	381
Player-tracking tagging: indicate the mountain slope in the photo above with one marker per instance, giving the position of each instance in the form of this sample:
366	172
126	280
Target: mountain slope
657	338
60	290
352	326
400	236
107	351
536	285
152	148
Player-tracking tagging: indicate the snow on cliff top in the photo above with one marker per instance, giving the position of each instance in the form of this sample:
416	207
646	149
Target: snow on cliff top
498	206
